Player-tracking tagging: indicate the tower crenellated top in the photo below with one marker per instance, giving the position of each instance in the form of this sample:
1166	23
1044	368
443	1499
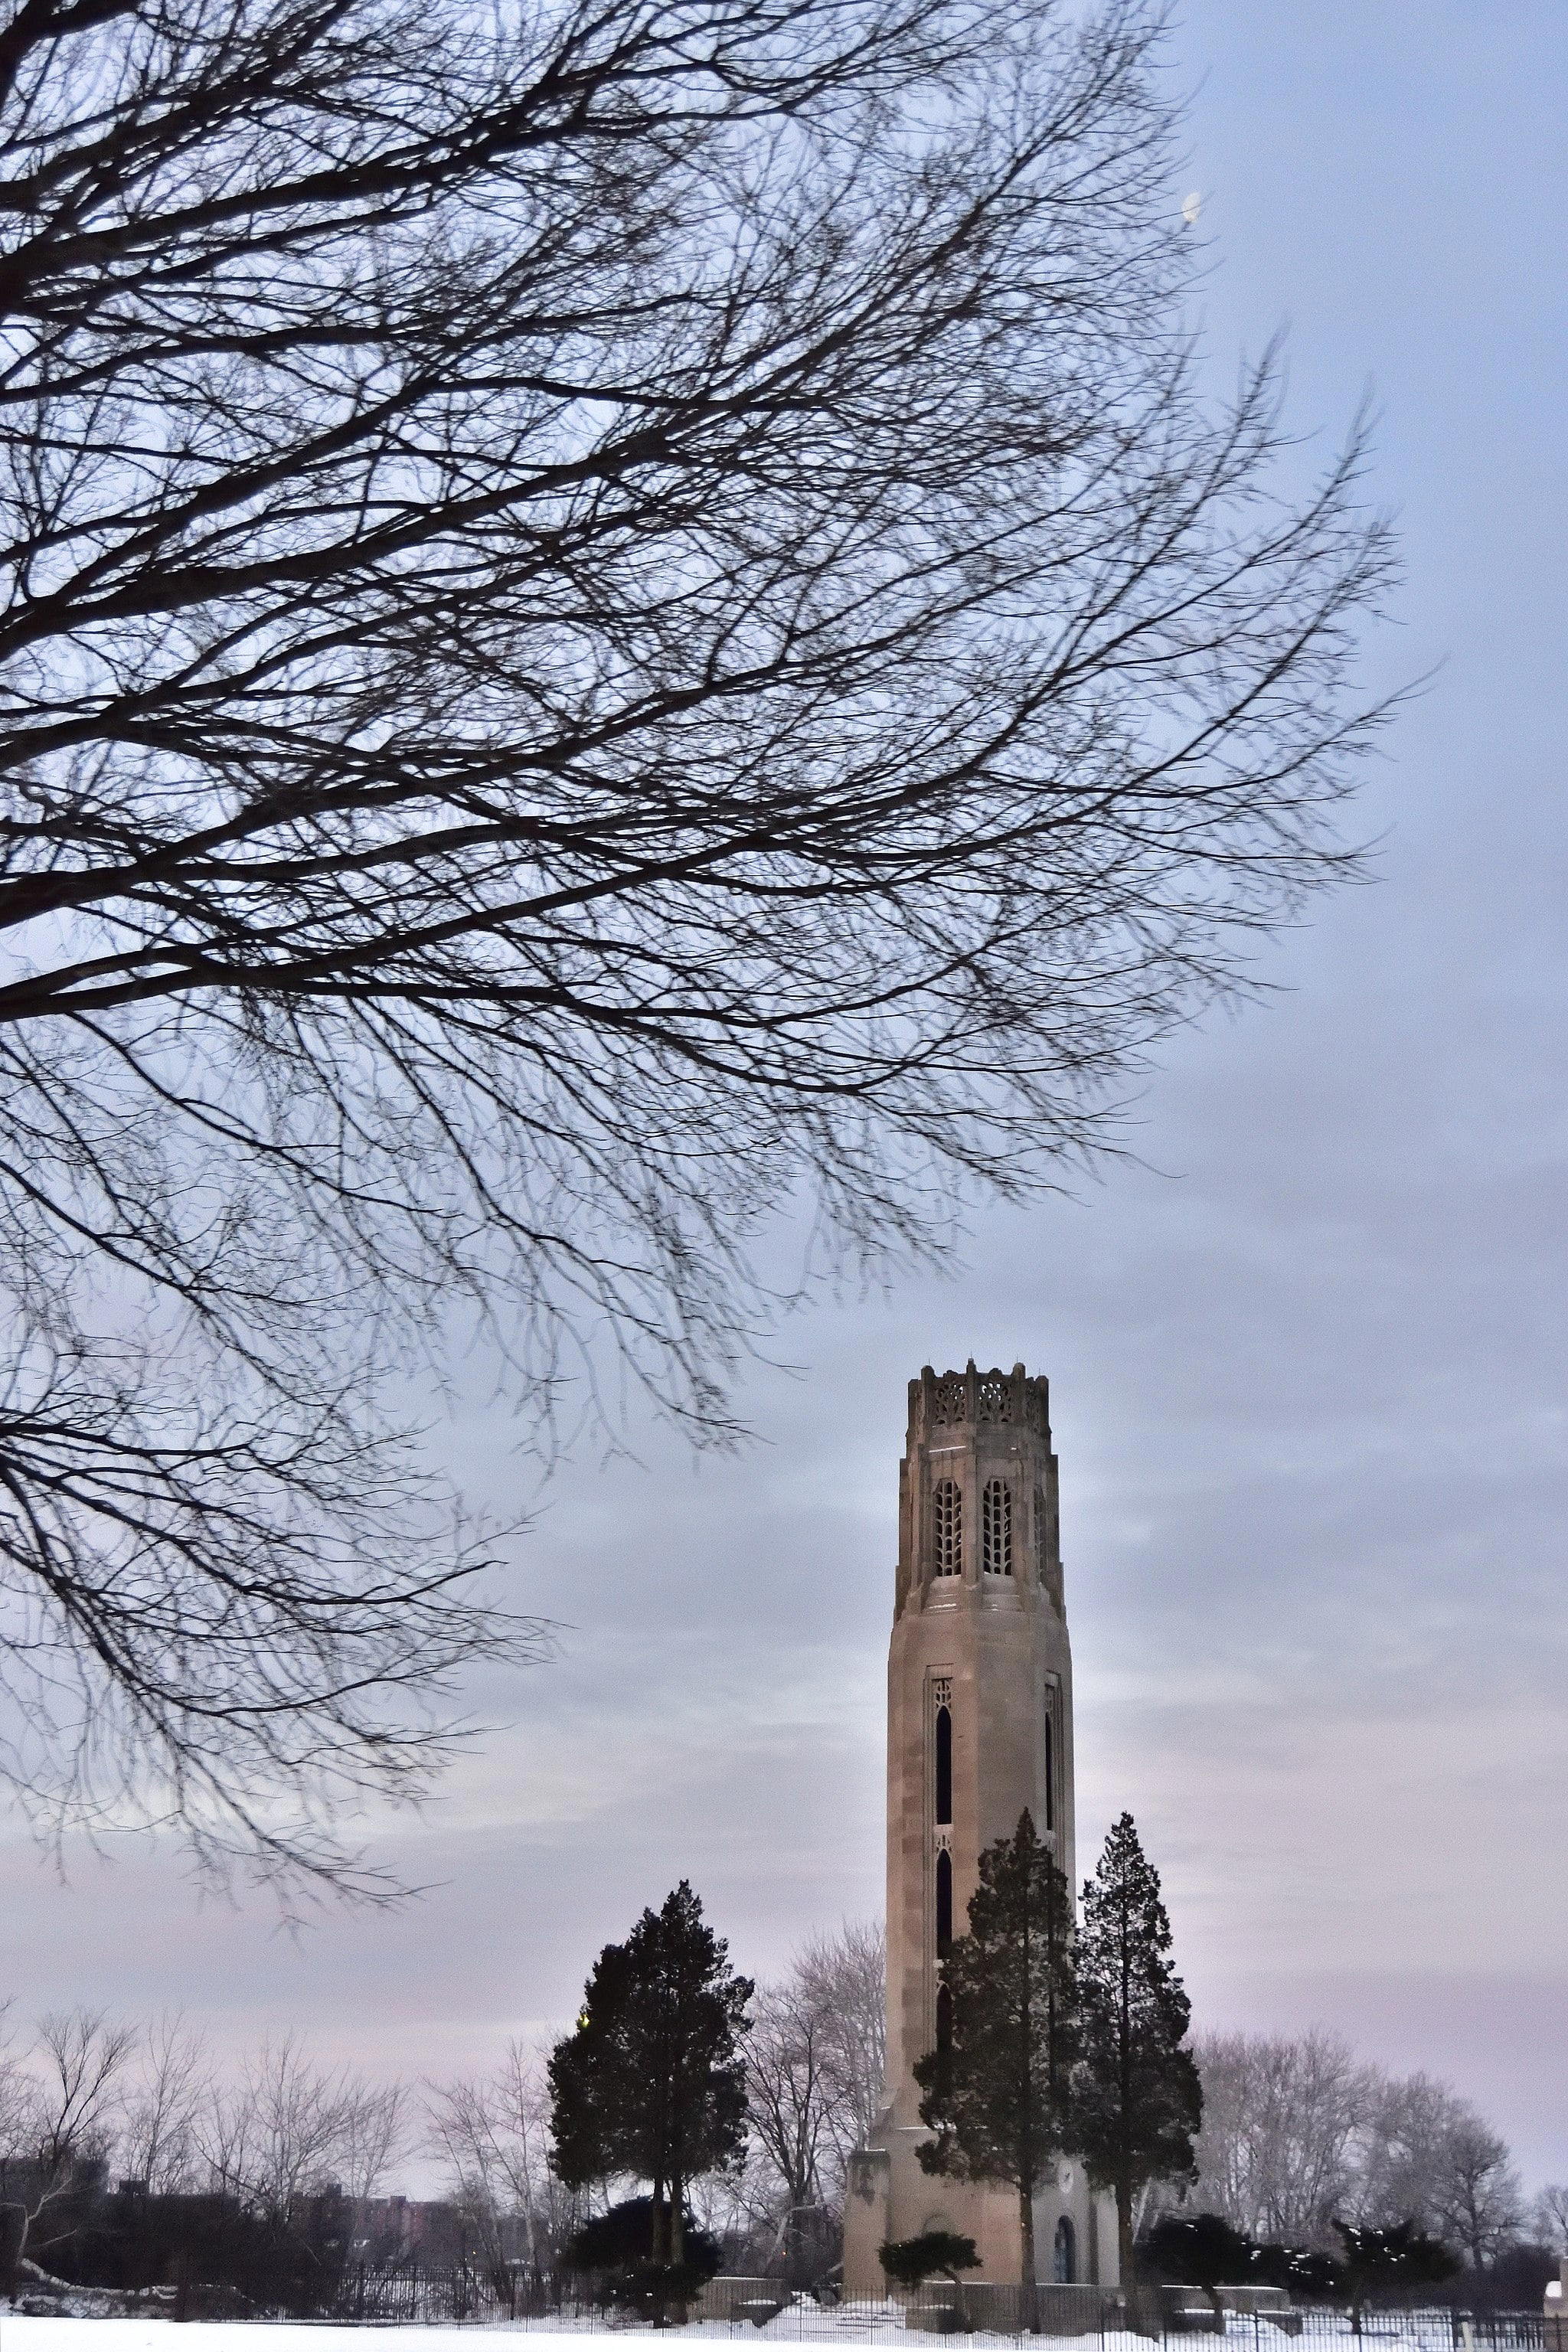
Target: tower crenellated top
978	1519
964	1400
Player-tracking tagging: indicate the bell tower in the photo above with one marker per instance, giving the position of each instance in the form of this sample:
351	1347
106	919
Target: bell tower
979	1728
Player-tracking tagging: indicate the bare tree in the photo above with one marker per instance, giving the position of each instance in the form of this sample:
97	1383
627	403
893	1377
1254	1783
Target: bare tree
161	2109
606	617
286	2128
378	2130
844	1976
1478	2203
58	2106
1278	2152
1406	2125
815	2059
788	2096
89	2092
492	2139
1430	2157
79	2058
1298	2132
1549	2217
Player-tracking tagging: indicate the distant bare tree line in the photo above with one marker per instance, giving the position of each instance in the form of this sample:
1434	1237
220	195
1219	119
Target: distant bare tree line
1298	2129
86	2103
90	2108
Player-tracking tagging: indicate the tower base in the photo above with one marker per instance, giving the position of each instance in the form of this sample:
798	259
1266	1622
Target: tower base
890	2197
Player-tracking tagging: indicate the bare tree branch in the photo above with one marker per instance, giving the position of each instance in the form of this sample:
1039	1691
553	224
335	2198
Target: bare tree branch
609	616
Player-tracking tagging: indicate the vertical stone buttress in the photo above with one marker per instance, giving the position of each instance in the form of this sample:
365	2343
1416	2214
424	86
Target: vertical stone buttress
979	1638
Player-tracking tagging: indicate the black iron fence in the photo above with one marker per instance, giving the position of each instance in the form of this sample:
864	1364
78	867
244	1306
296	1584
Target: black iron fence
413	2292
980	2315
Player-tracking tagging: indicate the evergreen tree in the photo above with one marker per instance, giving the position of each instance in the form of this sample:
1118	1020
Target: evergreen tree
1200	2250
1139	2099
997	2093
1389	2261
615	2245
650	2082
939	2253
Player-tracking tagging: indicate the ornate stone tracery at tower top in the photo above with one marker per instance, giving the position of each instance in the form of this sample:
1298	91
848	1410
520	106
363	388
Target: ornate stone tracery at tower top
979	1730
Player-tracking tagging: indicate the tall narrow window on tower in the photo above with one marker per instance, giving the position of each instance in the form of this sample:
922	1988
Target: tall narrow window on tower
943	1767
996	1528
1051	1770
944	1901
947	1514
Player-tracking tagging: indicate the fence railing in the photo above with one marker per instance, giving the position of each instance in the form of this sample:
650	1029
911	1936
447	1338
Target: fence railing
413	2292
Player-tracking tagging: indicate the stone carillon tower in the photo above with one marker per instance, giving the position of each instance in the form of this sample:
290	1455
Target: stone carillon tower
979	1727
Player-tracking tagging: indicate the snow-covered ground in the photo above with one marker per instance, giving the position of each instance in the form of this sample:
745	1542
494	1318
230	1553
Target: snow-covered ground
802	2323
21	2333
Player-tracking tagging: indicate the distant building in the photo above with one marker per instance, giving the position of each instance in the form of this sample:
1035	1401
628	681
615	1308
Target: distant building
979	1727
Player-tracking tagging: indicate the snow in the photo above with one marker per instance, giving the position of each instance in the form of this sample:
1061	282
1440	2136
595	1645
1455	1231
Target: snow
804	2323
23	2333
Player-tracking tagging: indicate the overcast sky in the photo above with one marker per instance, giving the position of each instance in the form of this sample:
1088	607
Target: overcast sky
1307	1359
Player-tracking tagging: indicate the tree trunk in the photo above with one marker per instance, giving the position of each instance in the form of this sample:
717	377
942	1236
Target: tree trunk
677	2242
1028	2289
12	2239
1140	2316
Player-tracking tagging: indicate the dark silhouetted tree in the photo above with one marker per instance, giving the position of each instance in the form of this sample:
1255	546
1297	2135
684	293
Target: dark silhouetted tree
1304	2272
1138	2098
935	2253
1392	2261
997	2097
650	2082
615	2245
608	617
1198	2250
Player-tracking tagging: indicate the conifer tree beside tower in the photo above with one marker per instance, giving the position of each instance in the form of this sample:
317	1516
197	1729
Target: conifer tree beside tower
998	2088
1139	2099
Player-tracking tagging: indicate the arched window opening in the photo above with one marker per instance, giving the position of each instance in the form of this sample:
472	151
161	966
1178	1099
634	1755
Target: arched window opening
943	2041
944	1902
947	1511
943	1767
1064	2254
996	1527
1050	1770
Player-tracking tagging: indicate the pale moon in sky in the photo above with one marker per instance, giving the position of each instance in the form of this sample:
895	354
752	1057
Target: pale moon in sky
1191	205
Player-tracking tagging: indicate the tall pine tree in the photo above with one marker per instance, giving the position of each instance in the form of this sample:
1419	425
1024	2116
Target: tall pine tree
997	2094
650	2082
1138	2097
